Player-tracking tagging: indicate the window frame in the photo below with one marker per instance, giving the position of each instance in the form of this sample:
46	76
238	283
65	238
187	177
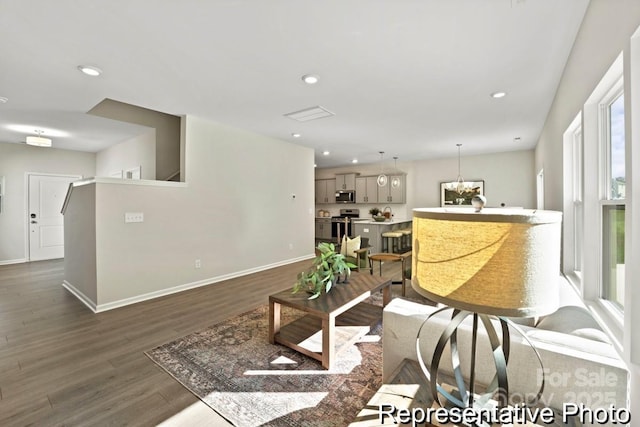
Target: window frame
589	281
605	181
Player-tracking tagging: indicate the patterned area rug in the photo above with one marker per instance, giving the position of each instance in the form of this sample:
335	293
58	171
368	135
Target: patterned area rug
232	368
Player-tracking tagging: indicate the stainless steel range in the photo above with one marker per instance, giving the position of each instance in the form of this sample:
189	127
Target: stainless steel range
341	224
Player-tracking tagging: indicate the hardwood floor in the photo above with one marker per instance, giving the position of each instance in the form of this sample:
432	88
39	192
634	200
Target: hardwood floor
61	364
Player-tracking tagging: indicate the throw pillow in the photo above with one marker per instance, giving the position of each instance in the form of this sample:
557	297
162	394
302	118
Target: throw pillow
349	246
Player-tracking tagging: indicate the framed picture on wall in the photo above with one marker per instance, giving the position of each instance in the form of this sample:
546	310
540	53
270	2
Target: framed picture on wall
450	196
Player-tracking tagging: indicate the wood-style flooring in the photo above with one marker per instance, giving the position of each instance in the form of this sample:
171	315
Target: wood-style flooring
61	364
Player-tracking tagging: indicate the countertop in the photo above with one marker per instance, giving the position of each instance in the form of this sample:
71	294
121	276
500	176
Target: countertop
386	222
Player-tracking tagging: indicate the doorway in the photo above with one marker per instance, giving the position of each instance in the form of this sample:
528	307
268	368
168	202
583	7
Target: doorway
45	196
540	190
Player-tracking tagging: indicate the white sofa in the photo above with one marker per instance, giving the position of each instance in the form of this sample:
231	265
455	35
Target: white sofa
579	365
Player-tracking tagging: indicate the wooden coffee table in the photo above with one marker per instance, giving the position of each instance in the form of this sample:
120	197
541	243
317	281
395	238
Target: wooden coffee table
334	320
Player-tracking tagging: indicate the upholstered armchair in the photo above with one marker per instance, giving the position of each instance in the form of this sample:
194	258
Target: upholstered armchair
356	251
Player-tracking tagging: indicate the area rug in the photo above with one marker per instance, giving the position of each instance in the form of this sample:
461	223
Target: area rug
233	369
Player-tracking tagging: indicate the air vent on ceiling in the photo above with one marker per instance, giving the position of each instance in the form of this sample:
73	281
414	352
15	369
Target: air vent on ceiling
311	113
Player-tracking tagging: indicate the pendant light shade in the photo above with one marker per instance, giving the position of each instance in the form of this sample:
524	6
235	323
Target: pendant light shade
382	178
459	185
395	181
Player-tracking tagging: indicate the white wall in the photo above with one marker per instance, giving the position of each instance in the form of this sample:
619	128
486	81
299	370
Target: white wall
167	128
15	161
508	177
604	34
80	267
236	213
139	151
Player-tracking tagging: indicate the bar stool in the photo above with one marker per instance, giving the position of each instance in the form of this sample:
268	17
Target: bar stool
406	238
393	239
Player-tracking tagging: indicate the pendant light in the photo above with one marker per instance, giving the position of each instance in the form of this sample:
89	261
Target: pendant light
460	186
395	181
382	178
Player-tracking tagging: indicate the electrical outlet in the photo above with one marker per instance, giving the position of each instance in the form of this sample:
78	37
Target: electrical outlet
133	217
290	246
198	263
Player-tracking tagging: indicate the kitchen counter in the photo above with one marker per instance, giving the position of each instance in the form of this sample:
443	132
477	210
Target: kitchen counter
371	221
367	227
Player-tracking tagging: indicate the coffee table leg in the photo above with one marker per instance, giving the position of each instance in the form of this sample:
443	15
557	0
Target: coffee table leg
386	295
274	321
328	341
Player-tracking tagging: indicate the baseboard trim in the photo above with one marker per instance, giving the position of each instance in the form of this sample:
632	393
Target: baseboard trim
78	294
13	261
180	288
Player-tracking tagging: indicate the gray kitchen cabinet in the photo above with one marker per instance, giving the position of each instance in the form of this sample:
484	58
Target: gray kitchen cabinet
325	191
346	182
323	228
391	194
367	189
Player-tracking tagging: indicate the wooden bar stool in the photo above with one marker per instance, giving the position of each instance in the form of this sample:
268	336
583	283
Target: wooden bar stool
393	239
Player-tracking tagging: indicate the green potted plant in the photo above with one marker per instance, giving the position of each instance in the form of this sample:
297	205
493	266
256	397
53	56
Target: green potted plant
376	214
327	269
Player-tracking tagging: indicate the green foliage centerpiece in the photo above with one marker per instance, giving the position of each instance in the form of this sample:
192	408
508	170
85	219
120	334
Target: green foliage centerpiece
328	268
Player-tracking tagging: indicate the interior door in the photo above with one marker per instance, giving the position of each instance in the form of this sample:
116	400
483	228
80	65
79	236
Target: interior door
46	223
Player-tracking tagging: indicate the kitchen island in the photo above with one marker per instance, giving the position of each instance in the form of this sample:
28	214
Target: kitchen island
373	230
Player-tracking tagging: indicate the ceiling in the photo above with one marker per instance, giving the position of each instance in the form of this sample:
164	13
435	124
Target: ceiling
410	78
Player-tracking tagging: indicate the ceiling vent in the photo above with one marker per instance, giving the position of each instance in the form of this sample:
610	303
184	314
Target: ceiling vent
308	114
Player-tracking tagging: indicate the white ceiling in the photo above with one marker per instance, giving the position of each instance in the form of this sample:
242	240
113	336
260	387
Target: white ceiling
411	78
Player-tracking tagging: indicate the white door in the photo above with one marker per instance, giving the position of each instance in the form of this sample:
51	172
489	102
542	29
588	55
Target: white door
46	223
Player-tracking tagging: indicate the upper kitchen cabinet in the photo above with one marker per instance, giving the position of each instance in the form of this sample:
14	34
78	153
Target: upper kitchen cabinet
325	191
346	182
394	191
366	189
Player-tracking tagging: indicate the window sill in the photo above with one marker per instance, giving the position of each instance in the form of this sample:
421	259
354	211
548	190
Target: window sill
609	317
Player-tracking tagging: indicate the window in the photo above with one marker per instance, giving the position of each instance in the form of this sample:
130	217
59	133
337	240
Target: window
613	199
573	228
594	200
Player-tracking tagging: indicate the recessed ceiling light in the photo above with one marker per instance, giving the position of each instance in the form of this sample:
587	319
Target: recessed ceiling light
296	135
498	94
354	161
90	70
325	153
3	99
310	79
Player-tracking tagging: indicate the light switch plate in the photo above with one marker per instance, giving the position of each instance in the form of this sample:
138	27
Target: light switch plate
133	217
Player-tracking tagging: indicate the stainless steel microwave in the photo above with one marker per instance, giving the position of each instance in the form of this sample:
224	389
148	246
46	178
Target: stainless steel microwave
345	197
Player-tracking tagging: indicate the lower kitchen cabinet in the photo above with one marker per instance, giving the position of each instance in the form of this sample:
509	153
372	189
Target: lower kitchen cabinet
323	229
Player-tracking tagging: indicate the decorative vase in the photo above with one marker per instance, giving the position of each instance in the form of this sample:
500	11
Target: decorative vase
478	202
